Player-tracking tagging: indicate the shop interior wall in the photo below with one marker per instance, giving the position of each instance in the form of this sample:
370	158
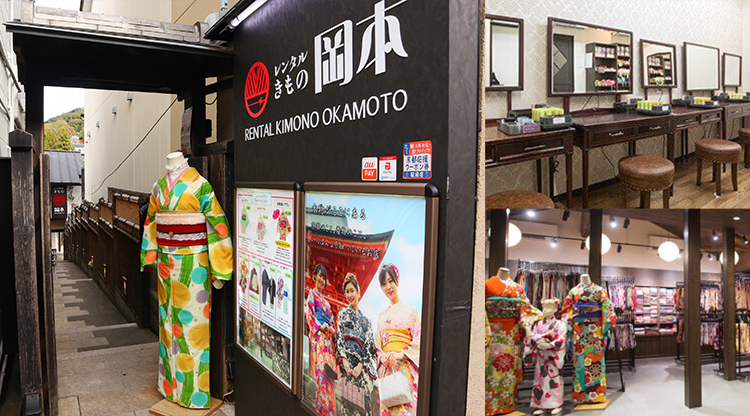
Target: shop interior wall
709	22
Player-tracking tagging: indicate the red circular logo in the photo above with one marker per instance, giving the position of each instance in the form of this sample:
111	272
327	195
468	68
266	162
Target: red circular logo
256	90
59	200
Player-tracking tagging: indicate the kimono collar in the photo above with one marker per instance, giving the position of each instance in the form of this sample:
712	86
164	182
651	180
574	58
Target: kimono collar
174	175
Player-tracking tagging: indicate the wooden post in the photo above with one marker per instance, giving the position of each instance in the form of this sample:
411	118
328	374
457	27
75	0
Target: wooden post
499	226
48	338
24	247
692	273
730	307
196	99
595	244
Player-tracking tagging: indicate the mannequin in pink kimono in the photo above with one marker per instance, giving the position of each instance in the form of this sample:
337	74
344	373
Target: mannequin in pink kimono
545	349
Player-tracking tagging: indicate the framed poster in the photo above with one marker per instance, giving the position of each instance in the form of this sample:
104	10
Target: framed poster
266	290
369	271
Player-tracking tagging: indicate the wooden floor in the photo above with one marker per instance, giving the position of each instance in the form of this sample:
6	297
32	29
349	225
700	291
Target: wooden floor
686	193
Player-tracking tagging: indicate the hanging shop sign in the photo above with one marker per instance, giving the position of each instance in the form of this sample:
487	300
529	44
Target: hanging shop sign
266	295
368	283
59	202
353	79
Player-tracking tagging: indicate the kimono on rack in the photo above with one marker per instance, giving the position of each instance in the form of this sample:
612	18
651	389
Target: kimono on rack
592	318
186	238
547	392
509	313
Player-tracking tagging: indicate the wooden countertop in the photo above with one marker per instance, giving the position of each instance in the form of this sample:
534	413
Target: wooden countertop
608	117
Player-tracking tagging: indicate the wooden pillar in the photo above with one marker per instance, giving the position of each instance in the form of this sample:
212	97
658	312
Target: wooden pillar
25	262
692	276
730	307
499	225
595	244
196	99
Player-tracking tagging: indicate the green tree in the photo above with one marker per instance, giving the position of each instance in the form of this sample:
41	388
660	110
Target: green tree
53	141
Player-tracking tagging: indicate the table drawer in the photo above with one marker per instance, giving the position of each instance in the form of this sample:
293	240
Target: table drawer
686	122
661	127
603	137
712	117
516	149
734	112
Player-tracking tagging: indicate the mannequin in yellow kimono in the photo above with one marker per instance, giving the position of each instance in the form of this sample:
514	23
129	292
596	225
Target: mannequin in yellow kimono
186	238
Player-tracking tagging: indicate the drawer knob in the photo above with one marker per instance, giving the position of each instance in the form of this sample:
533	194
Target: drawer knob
654	128
541	146
619	133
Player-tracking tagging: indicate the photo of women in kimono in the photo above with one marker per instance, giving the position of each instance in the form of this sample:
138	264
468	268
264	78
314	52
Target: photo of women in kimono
355	346
397	342
322	330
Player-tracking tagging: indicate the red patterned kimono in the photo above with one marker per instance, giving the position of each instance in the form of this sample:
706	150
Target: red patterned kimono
322	351
508	312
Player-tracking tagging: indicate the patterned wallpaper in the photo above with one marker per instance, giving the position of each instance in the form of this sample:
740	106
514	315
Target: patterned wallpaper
716	23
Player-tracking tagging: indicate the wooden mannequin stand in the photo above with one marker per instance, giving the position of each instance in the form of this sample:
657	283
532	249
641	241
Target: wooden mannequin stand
169	408
592	406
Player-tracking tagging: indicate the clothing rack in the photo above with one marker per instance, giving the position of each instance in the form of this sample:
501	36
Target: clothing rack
624	319
548	266
543	280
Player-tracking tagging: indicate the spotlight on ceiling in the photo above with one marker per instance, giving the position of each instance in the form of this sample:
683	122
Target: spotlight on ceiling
612	222
566	215
531	213
745	240
736	218
619	248
714	236
553	243
626	223
583	245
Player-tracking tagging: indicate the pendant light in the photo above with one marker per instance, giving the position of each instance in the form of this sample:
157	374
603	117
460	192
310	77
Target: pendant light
606	244
668	251
514	235
736	258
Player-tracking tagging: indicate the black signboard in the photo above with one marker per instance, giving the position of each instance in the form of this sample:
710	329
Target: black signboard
59	202
326	85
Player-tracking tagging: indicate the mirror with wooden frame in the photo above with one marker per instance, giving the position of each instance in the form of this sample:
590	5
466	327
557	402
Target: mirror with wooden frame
586	59
503	53
658	64
701	65
732	74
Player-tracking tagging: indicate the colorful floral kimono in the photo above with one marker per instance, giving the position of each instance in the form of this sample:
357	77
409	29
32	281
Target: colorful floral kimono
547	392
355	342
399	330
592	317
509	312
283	227
186	238
322	351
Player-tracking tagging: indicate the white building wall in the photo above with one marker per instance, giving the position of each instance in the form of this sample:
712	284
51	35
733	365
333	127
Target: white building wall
9	105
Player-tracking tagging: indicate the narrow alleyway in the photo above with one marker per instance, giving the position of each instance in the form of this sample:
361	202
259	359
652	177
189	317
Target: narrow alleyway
106	365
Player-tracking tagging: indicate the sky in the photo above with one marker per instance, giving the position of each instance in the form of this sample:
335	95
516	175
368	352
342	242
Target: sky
61	100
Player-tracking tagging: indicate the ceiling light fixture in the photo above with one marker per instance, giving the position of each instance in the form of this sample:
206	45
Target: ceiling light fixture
606	243
745	240
736	218
531	213
619	248
566	215
553	243
612	222
583	245
235	21
626	223
714	236
736	258
514	235
668	251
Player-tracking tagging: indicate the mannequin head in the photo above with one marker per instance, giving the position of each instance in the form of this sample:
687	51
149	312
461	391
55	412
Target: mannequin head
174	159
549	307
503	273
585	279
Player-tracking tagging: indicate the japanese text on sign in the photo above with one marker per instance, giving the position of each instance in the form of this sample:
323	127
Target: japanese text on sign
418	160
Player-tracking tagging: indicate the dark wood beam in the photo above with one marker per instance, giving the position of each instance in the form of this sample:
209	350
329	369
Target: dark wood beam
499	226
692	317
46	294
24	247
730	306
595	244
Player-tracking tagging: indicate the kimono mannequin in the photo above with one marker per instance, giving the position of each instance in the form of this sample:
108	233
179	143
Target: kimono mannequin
545	348
510	316
186	238
588	306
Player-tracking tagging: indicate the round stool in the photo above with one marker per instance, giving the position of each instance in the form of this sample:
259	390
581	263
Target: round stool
519	199
718	152
645	173
745	142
